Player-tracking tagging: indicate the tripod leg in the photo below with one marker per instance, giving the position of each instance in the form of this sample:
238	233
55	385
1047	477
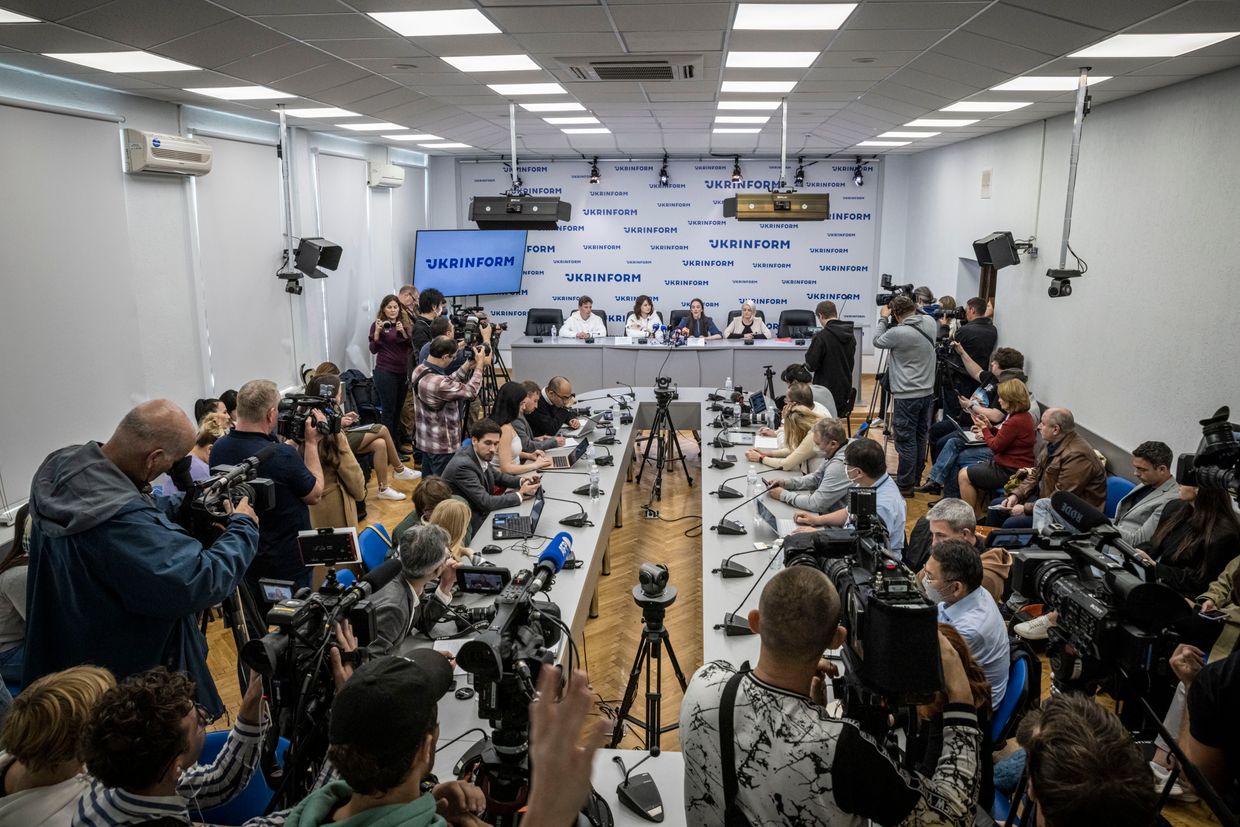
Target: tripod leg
630	694
671	655
654	700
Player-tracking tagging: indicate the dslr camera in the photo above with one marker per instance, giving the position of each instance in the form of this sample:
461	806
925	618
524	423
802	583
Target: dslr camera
295	408
938	311
893	290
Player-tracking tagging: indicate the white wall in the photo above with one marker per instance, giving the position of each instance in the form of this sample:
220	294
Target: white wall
1147	344
145	274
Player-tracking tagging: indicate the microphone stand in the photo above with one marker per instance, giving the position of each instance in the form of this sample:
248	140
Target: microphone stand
728	570
735	625
726	493
732	527
576	521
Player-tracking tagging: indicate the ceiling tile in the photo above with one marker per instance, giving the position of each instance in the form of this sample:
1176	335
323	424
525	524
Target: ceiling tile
1032	30
895	39
569	44
674	41
49	37
779	41
324	26
916	97
899	107
960	71
51	9
327	76
468	44
853	72
1111	15
388	100
986	51
222	43
886	59
1189	65
357	90
904	15
277	63
934	84
671	16
371	47
550	19
143	23
249	7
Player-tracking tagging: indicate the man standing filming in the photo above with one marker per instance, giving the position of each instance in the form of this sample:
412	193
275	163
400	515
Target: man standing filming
909	336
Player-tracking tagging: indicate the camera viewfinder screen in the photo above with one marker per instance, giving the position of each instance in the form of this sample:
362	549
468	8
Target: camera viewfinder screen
469	262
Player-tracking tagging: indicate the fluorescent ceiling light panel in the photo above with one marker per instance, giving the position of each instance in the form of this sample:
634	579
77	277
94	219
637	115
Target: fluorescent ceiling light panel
493	63
926	122
411	137
241	93
770	60
792	16
742	118
436	23
909	134
553	107
527	88
762	106
883	143
986	106
763	86
14	17
568	121
732	130
1045	83
449	145
125	62
321	112
588	130
372	127
1153	45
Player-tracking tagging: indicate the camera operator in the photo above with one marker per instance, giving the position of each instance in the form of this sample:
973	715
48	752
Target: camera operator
910	373
389	341
831	354
442	326
408	295
865	465
552	412
826	489
431	304
977	337
1066	462
472	477
1209	735
790	755
296	472
400	607
954	581
142	745
112	580
437	395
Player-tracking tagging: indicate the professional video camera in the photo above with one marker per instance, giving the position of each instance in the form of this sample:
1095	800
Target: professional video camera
203	512
884	299
293	661
1111	622
938	311
468	322
295	408
505	660
1217	461
892	655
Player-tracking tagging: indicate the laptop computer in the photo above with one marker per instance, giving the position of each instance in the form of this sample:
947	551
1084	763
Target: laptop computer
782	526
586	427
512	526
570	459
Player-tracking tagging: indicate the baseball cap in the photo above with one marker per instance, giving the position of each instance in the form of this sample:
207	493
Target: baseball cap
390	700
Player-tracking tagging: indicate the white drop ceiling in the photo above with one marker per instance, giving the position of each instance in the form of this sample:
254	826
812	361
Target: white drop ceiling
891	62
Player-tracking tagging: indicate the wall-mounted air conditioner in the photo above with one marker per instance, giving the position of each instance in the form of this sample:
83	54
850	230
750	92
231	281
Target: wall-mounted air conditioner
169	154
385	175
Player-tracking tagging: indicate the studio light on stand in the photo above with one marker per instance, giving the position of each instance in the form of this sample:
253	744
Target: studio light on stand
663	176
594	174
737	177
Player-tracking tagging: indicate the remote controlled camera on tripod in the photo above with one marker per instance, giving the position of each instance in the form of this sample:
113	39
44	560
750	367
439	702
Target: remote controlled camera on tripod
653	579
1217	461
295	408
663	390
892	654
893	290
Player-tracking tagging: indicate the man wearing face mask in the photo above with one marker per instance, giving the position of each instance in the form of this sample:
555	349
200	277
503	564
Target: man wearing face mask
113	581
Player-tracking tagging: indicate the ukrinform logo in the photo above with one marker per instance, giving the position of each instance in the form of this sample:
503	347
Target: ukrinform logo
750	244
478	261
603	277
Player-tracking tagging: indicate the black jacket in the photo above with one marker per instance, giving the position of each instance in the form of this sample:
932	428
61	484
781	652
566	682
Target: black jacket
547	419
420	335
830	357
473	482
396	616
978	339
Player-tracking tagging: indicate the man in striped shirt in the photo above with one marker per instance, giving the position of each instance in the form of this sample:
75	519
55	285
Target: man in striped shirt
437	398
141	748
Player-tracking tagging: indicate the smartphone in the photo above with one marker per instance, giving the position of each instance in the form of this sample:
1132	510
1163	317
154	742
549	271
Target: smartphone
482	579
1214	614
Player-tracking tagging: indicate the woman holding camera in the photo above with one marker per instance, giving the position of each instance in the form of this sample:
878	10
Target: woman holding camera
642	321
391	344
747	326
343	482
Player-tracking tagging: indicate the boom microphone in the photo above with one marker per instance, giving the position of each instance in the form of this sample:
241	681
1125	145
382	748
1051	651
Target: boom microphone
1083	518
242	470
371	582
551	561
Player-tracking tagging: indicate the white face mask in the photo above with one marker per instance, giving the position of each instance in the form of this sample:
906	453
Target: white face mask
933	594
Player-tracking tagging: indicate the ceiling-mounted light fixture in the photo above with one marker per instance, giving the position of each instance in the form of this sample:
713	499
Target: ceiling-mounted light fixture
798	180
663	177
737	177
594	176
858	179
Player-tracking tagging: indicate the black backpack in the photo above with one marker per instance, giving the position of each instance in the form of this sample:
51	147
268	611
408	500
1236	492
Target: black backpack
362	395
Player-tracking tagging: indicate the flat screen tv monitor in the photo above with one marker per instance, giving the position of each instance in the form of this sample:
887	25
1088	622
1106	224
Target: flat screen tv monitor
469	262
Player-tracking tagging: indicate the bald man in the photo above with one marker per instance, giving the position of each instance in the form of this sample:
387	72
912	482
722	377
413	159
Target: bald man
113	581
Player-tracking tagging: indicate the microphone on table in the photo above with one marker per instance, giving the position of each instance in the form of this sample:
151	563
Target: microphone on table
641	794
734	624
732	527
610	457
552	559
575	520
609	439
728	570
726	493
631	392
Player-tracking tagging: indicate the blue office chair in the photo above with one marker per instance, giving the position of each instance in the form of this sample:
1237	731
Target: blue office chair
1017	689
374	547
1117	489
345	577
382	529
251	802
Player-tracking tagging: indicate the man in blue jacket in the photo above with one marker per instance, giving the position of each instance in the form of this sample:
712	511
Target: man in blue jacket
113	581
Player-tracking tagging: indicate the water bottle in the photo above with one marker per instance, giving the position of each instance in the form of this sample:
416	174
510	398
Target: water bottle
727	384
590	455
777	555
658	333
770	418
751	487
594	489
555	331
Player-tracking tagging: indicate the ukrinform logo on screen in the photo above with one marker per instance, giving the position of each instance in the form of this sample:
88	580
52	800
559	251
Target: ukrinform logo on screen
479	261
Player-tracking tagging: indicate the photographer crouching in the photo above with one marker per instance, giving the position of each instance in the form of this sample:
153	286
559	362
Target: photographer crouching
113	581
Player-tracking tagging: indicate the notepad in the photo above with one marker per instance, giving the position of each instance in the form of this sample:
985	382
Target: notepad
766	443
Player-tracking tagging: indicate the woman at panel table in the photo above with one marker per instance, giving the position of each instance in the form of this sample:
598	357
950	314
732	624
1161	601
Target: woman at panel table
747	326
697	323
512	402
643	318
796	446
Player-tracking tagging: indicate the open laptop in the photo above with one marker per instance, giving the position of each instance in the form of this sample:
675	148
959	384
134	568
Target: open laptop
586	427
512	526
570	459
782	526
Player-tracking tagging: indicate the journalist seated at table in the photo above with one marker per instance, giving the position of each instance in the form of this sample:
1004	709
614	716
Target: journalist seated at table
826	489
553	409
404	606
747	326
471	476
865	464
584	324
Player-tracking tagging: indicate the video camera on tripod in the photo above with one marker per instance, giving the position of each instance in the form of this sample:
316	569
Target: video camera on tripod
892	655
468	323
1217	461
664	393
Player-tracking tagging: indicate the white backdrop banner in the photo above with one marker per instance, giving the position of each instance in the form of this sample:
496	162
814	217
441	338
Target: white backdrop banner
630	236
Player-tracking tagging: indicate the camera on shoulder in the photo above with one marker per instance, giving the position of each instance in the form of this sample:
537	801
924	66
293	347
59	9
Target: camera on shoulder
295	408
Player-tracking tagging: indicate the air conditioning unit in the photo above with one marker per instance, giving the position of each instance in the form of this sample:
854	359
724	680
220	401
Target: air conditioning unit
385	175
171	154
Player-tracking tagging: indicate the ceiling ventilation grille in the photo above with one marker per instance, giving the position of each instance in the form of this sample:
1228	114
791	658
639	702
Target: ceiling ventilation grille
636	68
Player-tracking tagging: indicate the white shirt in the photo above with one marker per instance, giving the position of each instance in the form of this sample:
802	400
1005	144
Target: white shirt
574	324
633	326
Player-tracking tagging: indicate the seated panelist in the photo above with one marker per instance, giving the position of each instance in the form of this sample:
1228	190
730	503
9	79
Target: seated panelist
584	324
698	324
642	321
747	326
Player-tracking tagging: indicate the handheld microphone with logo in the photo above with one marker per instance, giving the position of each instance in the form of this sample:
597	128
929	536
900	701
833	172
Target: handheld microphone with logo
1083	518
724	492
729	570
550	562
735	624
574	520
732	527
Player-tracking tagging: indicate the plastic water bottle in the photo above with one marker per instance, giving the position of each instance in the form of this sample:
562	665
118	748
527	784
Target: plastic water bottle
594	489
727	384
751	488
777	555
590	455
770	418
555	331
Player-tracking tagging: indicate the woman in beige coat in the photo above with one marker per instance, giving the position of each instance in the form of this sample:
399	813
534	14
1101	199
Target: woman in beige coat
343	482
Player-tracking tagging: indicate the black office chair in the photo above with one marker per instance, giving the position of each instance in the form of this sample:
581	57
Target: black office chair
677	318
796	324
539	320
594	311
732	314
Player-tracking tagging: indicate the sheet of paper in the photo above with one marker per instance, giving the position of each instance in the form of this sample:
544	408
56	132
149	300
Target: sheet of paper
765	443
696	341
624	340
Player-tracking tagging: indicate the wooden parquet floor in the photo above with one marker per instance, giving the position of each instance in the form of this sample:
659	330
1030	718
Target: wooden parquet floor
612	639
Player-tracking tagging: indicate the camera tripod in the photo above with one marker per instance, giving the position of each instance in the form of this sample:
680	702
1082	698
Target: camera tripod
654	640
490	383
665	439
769	373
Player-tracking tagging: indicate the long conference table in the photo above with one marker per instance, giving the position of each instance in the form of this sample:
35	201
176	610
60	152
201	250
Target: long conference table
575	590
707	364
